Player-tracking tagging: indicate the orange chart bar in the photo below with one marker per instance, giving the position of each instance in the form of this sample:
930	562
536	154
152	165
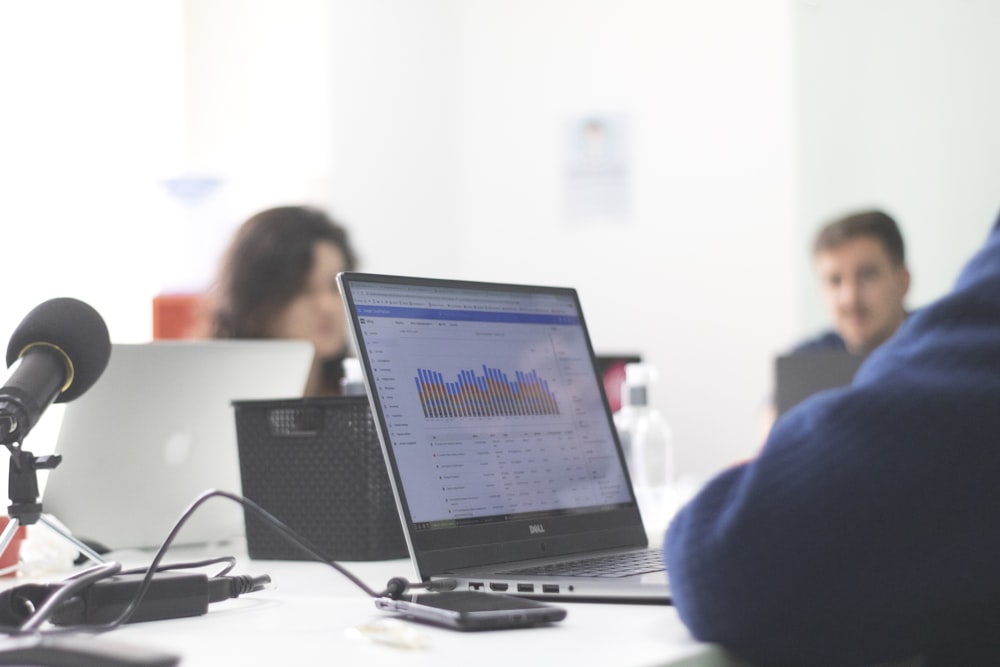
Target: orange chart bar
491	394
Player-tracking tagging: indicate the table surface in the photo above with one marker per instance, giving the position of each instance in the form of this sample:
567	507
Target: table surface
312	614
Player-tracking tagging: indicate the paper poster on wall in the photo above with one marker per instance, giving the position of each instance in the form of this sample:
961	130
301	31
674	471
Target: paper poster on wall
597	169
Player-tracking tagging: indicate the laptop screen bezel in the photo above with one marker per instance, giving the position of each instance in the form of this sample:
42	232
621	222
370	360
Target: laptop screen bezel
461	546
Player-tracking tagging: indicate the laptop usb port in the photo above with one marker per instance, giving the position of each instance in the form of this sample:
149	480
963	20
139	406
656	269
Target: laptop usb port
525	588
498	587
550	588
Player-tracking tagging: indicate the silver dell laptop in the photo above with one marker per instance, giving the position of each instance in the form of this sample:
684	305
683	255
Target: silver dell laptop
502	453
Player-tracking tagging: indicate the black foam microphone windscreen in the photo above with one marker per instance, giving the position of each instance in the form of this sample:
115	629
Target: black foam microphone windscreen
73	327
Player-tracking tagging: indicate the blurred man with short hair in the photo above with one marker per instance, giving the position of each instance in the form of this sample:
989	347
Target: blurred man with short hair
861	264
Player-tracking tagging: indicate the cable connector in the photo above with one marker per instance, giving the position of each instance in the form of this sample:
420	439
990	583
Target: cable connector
225	588
397	586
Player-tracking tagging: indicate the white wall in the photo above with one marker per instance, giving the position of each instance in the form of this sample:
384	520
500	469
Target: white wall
436	129
343	104
257	119
394	124
697	276
450	121
898	105
91	97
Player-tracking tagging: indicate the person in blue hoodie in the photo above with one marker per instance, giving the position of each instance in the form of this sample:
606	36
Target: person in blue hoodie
867	531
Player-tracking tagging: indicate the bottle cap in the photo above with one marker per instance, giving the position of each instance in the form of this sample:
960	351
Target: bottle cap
639	374
638	377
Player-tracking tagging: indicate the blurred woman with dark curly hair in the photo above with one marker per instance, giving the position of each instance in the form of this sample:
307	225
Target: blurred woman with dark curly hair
277	279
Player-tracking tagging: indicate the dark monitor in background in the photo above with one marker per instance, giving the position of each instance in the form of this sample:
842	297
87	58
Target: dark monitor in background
612	370
799	376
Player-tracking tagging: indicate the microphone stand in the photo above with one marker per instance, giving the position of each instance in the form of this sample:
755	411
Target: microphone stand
25	508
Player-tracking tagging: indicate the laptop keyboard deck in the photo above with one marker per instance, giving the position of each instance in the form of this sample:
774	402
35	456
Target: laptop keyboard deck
610	565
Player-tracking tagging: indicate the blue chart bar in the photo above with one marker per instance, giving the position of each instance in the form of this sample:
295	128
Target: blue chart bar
488	395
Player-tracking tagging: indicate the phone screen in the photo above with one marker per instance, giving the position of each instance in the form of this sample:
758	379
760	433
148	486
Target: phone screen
471	610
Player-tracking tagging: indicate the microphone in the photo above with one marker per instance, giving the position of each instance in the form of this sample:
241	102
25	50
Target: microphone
63	347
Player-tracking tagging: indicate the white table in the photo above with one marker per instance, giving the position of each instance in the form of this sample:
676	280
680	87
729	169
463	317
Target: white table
313	615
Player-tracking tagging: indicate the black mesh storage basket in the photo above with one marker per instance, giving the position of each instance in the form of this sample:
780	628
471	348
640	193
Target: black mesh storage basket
316	464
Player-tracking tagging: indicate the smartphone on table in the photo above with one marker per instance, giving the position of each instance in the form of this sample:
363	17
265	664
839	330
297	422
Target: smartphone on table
472	610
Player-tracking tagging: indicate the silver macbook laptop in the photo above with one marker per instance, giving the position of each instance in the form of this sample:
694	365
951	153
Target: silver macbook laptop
800	375
156	431
503	455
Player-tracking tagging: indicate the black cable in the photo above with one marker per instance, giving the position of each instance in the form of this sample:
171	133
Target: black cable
254	507
247	503
190	565
64	593
224	588
221	587
280	527
67	590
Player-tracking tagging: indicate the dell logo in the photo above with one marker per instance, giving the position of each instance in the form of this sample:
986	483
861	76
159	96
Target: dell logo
536	529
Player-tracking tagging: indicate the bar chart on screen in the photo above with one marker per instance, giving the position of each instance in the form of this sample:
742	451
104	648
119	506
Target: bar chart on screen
487	394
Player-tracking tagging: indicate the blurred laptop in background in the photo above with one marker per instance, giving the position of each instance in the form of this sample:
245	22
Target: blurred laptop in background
798	376
156	431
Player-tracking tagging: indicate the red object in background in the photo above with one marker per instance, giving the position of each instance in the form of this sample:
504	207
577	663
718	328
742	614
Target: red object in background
12	554
614	378
175	315
612	370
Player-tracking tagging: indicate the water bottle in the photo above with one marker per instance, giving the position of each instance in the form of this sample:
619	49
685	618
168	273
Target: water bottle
625	420
648	444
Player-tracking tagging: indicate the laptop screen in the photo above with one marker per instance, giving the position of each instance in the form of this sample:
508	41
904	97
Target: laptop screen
477	387
800	375
488	400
